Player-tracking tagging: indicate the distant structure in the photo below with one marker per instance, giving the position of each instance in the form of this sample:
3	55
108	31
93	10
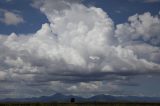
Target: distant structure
72	100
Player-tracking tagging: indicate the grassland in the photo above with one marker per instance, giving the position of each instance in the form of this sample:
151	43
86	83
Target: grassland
79	104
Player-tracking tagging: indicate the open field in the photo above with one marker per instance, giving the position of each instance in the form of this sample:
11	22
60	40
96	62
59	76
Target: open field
79	104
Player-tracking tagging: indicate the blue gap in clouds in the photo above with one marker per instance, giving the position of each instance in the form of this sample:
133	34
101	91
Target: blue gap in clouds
120	10
33	17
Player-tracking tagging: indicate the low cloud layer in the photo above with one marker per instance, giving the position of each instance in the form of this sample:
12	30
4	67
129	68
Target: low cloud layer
79	50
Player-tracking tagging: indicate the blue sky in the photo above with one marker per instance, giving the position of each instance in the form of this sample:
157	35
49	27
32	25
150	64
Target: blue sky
33	17
119	11
78	47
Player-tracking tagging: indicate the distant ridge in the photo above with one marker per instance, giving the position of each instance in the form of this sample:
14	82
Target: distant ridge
58	97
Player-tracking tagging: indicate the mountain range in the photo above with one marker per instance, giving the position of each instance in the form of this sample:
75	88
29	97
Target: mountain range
58	97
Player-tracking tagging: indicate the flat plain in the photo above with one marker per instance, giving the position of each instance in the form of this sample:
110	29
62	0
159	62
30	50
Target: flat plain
79	104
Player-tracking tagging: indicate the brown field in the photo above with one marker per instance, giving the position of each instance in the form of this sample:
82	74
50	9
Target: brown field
79	104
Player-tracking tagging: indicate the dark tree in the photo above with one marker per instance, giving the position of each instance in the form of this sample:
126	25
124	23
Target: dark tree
72	100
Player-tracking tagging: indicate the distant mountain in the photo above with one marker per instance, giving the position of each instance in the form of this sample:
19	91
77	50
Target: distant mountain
103	98
58	97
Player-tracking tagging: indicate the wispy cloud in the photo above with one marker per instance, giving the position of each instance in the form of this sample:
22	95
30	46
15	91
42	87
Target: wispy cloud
151	1
145	1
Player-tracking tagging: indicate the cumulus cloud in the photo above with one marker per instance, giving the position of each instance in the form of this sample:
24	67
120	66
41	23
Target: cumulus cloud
143	27
79	49
11	18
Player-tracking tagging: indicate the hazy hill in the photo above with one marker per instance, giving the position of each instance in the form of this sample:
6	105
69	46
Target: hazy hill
98	98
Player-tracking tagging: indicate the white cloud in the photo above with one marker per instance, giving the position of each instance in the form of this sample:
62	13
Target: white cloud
2	75
11	18
140	27
79	47
92	88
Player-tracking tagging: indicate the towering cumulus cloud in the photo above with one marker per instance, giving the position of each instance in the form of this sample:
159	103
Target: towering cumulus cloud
79	50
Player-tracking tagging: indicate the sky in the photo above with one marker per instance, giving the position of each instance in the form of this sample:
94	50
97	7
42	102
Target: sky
79	47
